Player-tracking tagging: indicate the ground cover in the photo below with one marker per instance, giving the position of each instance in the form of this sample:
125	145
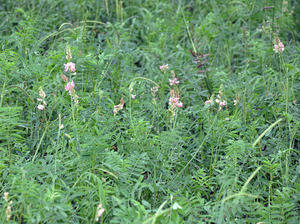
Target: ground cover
149	111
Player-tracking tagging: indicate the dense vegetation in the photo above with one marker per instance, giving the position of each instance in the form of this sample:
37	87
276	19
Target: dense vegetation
149	111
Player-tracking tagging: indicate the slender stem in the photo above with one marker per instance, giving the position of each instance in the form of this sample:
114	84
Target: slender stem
42	138
58	138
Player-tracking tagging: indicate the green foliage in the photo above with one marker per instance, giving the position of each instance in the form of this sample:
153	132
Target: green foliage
112	149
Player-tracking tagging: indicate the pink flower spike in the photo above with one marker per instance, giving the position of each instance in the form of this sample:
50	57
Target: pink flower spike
174	81
41	107
67	87
275	48
223	103
100	211
133	96
180	104
42	93
72	84
207	102
163	68
278	46
70	66
38	99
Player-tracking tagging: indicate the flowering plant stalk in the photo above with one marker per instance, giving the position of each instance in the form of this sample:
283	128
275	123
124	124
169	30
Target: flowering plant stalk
43	102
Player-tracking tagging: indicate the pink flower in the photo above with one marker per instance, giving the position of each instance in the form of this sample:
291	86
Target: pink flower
70	86
207	102
100	211
278	46
174	102
133	96
70	66
217	101
42	93
41	107
64	78
223	103
119	106
69	54
154	88
174	81
163	68
69	57
40	100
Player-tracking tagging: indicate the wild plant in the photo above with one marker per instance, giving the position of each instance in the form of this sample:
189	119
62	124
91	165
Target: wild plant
107	118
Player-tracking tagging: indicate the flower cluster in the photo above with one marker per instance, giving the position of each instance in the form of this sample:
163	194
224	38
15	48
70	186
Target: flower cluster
218	101
100	211
278	46
222	103
69	54
65	78
208	102
42	99
119	106
164	68
174	93
70	87
174	81
70	66
174	102
132	95
154	89
8	209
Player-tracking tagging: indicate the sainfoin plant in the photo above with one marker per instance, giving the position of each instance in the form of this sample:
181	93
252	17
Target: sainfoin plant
149	112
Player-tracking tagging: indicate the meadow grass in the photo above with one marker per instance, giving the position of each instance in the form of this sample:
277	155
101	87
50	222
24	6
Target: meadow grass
149	111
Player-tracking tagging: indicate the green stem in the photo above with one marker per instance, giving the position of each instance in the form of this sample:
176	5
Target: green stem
38	147
58	138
